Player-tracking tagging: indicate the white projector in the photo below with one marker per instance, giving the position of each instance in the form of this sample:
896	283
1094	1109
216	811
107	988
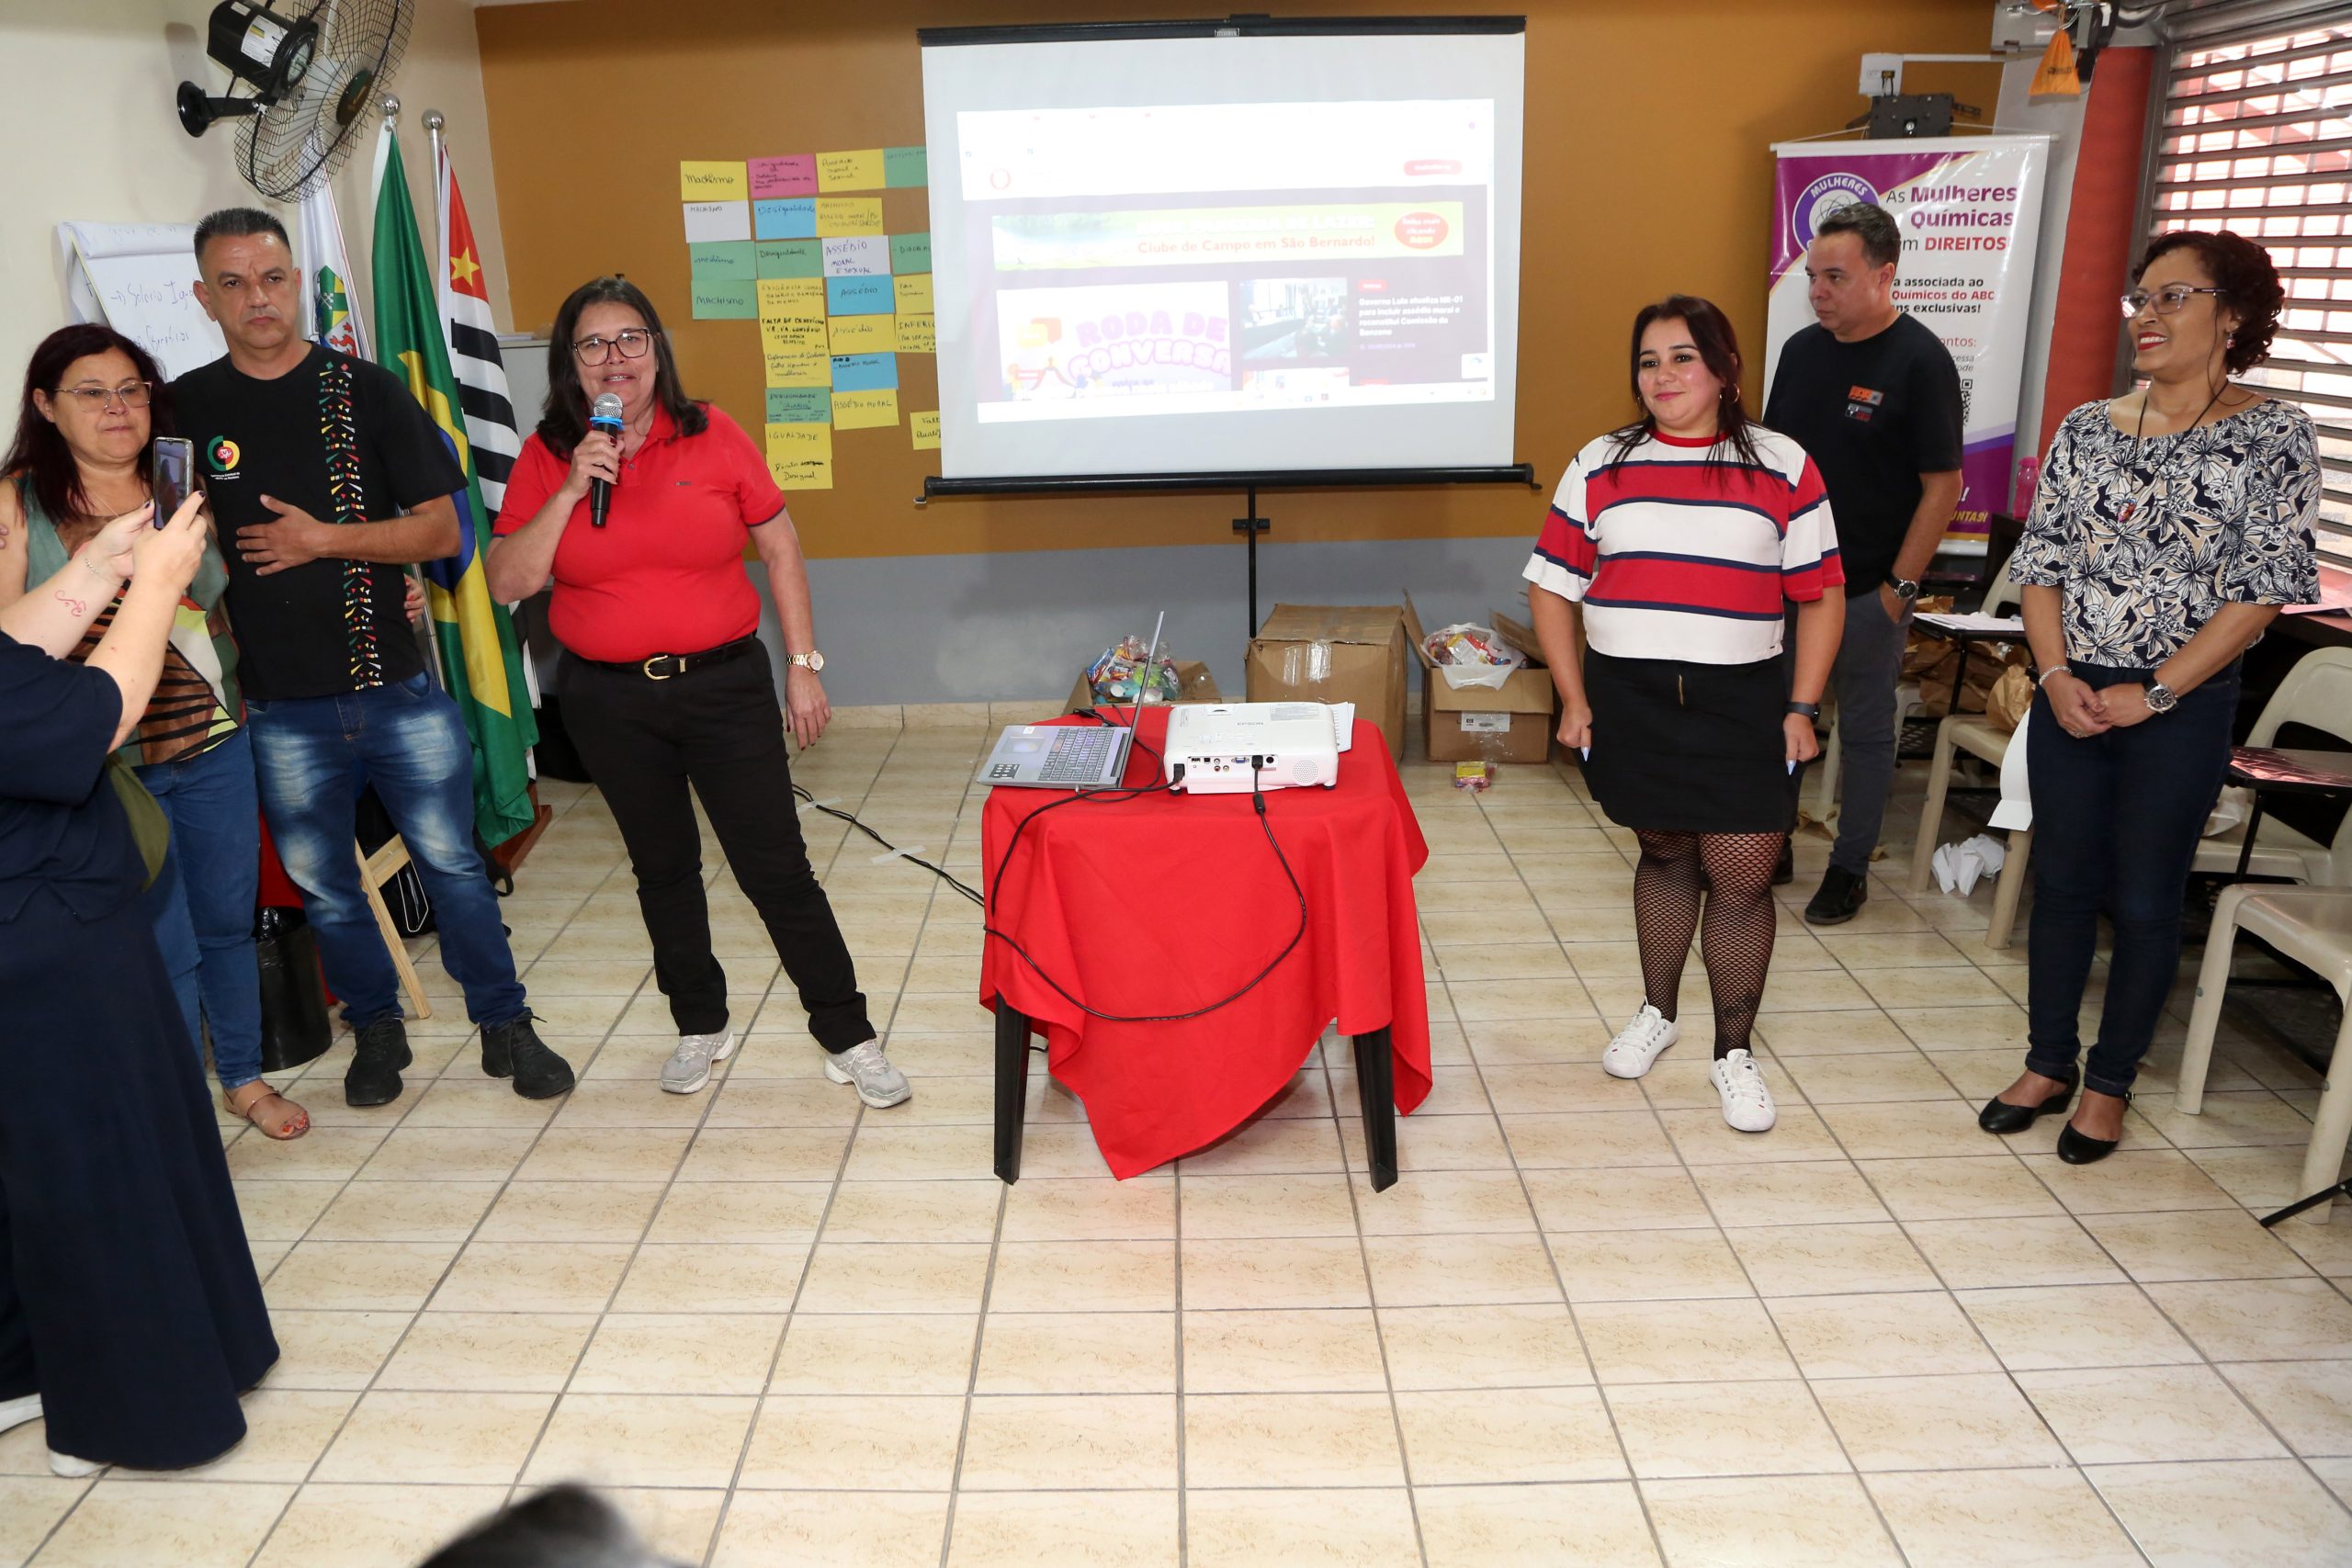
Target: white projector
1232	748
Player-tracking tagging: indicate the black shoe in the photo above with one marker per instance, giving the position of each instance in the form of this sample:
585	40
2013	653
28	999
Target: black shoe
2000	1116
2078	1148
513	1050
1841	898
377	1058
1784	870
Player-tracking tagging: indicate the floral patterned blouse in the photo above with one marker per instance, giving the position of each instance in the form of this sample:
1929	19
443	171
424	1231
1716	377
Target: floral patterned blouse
2148	547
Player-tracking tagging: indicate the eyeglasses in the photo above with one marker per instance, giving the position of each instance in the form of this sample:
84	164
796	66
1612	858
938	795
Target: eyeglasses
632	344
97	399
2168	299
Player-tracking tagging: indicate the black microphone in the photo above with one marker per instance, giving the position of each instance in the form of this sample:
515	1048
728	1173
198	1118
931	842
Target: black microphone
607	417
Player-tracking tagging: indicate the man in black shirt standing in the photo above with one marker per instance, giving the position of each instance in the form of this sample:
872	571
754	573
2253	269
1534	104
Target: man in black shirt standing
325	476
1874	397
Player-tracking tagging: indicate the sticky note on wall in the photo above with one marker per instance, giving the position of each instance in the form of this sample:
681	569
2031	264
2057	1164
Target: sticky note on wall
773	177
712	182
799	405
783	220
858	295
923	428
717	260
723	299
848	215
850	171
865	372
795	351
856	255
707	221
785	258
800	457
865	410
916	334
903	167
803	298
862	334
913	294
910	252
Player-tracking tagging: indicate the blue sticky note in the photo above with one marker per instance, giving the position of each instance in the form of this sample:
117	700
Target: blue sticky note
859	297
786	217
865	372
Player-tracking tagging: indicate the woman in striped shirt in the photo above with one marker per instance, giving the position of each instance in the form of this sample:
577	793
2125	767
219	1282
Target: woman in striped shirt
1656	588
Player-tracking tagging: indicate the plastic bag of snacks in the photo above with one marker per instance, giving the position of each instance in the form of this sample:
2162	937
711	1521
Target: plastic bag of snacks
1475	776
1115	676
1469	655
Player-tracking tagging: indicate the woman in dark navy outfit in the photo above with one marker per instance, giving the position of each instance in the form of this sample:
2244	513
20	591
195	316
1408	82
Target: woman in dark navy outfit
130	1313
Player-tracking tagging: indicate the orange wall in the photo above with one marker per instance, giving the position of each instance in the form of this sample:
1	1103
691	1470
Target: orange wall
1646	173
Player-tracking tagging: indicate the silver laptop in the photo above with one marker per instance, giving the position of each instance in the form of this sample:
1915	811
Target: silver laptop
1070	756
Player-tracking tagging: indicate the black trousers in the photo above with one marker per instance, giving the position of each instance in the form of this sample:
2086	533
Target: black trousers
720	729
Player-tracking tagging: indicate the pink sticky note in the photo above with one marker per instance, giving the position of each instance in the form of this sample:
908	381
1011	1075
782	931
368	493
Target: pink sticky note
784	176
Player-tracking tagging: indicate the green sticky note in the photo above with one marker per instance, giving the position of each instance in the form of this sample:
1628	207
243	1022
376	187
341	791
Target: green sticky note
799	405
909	254
726	300
905	166
787	258
722	260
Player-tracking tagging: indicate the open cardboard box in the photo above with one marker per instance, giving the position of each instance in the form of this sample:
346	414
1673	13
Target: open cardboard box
1510	723
1193	676
1335	653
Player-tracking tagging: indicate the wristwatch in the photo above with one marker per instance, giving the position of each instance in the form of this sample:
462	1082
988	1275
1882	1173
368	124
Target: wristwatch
812	661
2161	698
1905	589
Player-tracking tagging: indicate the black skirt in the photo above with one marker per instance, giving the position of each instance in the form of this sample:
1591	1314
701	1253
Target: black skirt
1684	748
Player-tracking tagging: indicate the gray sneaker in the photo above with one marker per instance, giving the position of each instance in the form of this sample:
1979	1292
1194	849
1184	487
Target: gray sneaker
879	1083
688	1067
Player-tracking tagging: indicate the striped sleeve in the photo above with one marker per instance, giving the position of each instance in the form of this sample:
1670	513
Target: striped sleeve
1566	547
1810	566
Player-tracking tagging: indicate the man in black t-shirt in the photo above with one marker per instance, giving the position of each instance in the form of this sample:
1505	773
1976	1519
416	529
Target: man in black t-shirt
1873	397
324	477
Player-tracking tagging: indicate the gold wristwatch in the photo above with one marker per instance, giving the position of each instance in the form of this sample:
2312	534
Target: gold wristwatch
812	661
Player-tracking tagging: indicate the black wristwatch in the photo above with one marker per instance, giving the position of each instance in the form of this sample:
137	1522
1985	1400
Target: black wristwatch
1903	588
1809	710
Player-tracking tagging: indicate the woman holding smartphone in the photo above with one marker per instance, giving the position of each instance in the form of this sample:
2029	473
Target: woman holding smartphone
93	402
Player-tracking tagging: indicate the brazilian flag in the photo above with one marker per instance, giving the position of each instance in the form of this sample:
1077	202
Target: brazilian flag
482	661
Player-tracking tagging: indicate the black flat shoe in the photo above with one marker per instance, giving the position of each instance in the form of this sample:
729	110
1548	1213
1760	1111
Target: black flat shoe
2000	1116
2079	1148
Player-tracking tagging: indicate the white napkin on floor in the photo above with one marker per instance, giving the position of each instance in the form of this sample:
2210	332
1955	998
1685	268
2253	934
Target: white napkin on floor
1958	866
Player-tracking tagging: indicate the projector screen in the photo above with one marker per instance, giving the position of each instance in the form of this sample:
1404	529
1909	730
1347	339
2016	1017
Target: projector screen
1198	255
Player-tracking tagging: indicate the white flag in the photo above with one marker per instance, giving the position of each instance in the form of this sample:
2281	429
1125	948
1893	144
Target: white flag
330	301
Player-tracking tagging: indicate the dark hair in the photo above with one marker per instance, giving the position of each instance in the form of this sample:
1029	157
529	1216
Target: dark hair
39	453
1871	224
1718	346
565	419
565	1526
237	223
2248	282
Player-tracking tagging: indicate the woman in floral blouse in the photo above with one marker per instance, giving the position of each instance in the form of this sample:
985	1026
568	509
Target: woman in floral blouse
2171	525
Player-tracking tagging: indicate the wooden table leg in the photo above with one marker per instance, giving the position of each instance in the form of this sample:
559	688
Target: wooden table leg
1012	1087
1376	1093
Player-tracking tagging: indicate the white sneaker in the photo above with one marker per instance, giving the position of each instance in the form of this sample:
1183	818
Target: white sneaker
1747	1104
15	1413
71	1468
688	1067
879	1083
1638	1044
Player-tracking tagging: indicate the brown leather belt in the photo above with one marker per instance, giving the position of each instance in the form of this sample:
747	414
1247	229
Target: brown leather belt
669	666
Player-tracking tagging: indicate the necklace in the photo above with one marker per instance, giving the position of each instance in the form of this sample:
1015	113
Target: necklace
2140	434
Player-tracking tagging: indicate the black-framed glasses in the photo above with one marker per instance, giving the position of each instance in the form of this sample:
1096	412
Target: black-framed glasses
2167	300
97	399
633	343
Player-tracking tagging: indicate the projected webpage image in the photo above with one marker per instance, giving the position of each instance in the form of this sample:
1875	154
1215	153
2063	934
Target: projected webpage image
1223	258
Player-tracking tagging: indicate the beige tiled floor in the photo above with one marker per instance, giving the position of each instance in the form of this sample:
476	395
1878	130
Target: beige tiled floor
1590	1325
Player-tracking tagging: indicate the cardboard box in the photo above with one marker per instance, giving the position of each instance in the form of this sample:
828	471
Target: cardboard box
1510	723
1198	684
1335	653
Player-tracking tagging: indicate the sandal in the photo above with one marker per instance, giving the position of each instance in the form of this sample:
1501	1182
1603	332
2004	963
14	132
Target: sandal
287	1130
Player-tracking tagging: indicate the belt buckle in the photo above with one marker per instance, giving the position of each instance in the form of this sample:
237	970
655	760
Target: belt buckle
648	667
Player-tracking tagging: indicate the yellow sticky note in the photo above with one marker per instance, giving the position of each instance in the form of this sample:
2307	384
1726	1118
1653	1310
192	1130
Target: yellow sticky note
925	428
713	182
865	410
795	351
848	215
850	171
862	334
916	335
914	294
800	457
792	297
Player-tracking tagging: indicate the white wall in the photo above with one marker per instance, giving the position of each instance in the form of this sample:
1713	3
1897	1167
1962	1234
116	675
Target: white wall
87	119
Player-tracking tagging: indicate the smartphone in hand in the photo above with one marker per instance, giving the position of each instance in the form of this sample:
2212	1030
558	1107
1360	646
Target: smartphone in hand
175	475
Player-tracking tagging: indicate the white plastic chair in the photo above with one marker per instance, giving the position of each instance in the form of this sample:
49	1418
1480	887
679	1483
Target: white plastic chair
2317	692
2312	926
1977	735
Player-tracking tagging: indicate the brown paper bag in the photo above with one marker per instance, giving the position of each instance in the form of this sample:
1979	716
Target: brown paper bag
2012	694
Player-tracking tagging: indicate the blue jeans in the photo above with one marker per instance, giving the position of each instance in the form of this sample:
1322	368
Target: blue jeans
2116	821
312	755
202	903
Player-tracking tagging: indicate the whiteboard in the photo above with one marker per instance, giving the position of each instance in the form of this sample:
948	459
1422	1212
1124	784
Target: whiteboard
140	279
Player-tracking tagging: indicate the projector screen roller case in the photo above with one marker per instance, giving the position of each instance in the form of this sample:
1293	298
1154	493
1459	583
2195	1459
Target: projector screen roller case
1214	254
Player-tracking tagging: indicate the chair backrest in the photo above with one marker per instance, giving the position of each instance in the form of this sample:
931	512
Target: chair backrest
2317	692
2003	595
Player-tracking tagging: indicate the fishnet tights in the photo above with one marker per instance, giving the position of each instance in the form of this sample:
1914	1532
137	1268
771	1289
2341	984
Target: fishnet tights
1734	871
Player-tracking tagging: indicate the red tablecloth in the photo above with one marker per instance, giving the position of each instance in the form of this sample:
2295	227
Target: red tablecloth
1162	903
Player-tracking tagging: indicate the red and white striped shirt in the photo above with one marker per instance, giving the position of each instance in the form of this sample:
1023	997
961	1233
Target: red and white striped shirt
1676	557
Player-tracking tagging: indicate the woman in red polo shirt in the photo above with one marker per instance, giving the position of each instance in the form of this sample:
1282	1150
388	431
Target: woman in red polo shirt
665	682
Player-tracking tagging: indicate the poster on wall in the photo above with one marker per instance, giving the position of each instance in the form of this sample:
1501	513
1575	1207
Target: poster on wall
140	279
1970	207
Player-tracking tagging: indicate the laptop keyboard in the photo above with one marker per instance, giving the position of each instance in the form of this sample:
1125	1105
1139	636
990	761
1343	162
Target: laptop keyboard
1077	757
